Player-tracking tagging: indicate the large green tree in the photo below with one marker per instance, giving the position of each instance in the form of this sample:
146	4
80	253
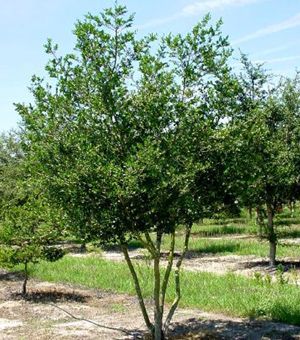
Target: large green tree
125	136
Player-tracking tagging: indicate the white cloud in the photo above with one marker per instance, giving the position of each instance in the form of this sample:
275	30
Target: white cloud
279	60
194	9
291	22
209	5
277	48
158	22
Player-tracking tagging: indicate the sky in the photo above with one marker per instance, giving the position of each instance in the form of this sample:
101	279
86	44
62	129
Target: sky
266	30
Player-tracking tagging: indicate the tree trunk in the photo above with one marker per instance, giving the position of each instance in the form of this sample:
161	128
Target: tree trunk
83	247
259	221
272	254
137	289
271	236
291	205
250	212
177	278
167	272
156	293
158	334
24	287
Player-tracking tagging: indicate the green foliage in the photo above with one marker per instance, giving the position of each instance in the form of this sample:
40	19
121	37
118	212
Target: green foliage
136	136
28	225
263	142
124	140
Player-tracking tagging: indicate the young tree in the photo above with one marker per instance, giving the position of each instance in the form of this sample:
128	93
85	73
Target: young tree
28	226
125	140
262	159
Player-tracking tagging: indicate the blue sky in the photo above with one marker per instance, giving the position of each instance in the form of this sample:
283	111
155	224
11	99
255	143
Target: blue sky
267	30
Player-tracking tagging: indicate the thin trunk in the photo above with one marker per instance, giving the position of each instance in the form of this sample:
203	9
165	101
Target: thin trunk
272	254
271	236
83	247
177	278
147	245
137	288
291	205
24	287
157	310
259	221
150	242
167	273
250	212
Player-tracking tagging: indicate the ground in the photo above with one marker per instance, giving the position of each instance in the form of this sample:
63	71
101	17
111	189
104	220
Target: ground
59	311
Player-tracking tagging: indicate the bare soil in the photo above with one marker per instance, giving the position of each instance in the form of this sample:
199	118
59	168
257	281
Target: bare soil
59	311
247	265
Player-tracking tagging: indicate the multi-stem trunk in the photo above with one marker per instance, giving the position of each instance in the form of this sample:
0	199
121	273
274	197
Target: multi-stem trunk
157	329
271	235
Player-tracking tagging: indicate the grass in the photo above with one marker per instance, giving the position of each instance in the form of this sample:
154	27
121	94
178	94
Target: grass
207	230
233	246
201	242
230	294
239	247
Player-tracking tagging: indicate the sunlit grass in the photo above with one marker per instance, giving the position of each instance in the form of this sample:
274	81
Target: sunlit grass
230	294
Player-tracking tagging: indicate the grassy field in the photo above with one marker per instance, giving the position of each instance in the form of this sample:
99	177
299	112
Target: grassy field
236	247
201	237
230	294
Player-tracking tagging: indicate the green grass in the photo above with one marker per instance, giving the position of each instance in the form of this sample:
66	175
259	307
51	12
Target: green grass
234	246
230	294
206	230
241	247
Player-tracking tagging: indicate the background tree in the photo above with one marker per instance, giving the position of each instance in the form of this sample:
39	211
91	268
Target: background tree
28	225
262	160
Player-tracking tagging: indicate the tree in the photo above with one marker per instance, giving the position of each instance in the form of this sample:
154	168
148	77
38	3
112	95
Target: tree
125	140
11	156
262	158
28	226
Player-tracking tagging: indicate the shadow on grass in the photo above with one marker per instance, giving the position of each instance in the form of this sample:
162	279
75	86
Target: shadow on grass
223	329
287	221
236	220
14	276
287	265
132	245
214	248
51	296
221	230
289	233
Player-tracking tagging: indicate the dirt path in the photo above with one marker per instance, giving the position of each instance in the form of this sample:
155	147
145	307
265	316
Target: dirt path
246	265
57	311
